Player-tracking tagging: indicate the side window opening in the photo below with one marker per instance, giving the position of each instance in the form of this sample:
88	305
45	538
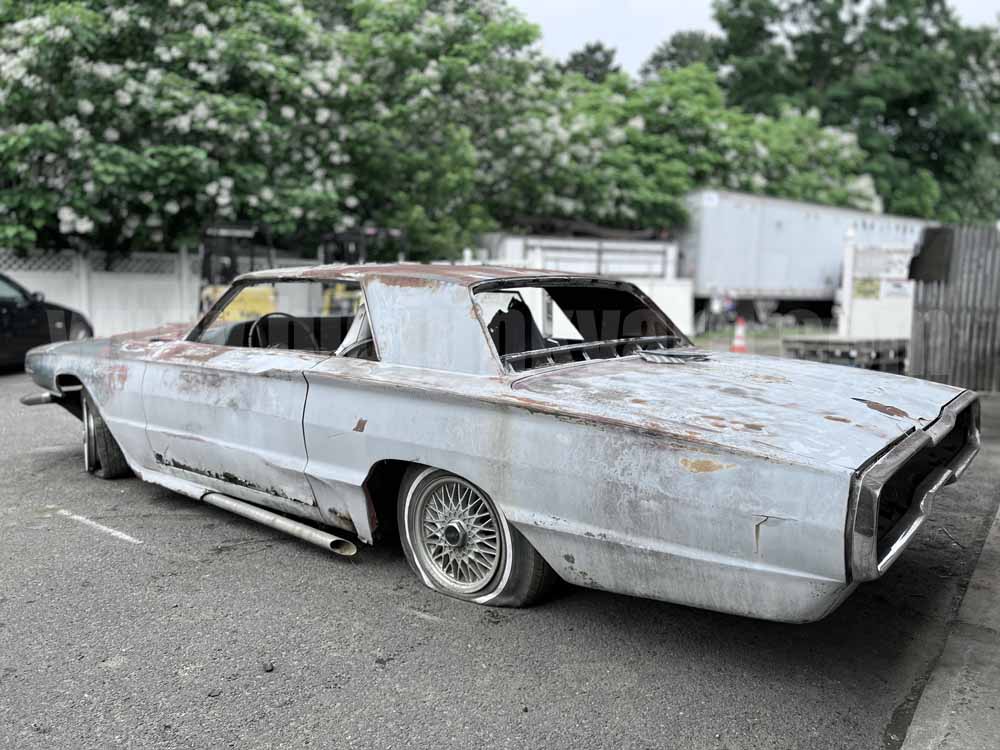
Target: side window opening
10	293
323	317
541	325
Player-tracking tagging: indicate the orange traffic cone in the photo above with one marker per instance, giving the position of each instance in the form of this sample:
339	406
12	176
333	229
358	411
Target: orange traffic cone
739	337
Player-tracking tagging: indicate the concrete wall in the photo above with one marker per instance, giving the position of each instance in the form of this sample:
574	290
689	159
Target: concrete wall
144	290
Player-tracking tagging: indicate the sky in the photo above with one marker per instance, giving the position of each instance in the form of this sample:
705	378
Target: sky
635	27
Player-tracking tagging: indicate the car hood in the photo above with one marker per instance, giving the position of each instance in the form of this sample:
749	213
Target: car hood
781	408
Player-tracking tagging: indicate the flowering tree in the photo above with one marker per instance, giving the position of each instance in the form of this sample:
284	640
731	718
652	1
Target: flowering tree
451	91
130	124
633	151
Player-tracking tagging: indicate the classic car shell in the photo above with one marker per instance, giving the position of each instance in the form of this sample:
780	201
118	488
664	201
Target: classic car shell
731	484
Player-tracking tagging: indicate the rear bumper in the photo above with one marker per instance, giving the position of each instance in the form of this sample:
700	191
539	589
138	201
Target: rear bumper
869	553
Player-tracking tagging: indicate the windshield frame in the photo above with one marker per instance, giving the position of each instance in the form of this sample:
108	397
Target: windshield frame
241	283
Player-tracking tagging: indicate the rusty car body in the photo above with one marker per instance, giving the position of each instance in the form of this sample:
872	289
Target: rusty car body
618	457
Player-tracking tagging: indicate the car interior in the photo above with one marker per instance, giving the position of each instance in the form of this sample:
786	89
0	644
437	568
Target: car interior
308	316
558	323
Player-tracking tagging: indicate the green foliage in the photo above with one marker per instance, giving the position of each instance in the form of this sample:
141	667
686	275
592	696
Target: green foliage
921	91
682	49
667	136
448	91
595	62
130	125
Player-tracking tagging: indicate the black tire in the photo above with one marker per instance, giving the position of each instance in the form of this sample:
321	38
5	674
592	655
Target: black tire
101	455
521	576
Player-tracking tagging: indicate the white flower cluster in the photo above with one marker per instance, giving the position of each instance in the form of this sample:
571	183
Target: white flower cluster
72	223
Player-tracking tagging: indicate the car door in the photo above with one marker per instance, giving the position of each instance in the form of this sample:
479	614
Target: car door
23	321
228	416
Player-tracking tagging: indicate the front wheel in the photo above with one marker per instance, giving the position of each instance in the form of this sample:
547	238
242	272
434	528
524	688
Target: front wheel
101	455
459	543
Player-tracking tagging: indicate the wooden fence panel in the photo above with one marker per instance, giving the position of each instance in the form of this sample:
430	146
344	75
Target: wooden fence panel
956	323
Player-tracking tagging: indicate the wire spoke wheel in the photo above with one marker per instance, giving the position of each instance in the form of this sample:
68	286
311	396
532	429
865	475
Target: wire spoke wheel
457	535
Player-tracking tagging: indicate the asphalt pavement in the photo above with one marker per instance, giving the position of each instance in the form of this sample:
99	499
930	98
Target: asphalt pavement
192	628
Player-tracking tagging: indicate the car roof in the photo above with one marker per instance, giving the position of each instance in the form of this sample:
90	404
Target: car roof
415	273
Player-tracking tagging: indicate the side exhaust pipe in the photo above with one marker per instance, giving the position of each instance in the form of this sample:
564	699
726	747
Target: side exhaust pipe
37	399
302	531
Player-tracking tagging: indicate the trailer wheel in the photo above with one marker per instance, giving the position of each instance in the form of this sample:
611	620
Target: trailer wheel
101	455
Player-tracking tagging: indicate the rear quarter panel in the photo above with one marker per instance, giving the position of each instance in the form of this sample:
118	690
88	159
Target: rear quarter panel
608	507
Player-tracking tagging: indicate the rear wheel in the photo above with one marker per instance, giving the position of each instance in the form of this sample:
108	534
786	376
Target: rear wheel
458	542
101	455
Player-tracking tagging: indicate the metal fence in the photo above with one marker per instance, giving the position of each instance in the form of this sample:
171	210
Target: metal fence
956	320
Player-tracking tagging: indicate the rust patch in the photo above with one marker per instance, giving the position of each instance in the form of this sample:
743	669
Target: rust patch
835	418
200	380
886	409
640	401
419	282
703	465
117	377
720	423
191	352
770	378
168	332
223	476
360	426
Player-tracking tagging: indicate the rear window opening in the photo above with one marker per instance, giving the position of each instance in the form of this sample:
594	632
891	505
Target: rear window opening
559	322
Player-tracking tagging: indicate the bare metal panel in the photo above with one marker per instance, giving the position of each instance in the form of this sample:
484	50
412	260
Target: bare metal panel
230	415
427	323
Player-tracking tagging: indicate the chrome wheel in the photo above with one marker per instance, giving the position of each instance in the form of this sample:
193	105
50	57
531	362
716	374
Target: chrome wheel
457	535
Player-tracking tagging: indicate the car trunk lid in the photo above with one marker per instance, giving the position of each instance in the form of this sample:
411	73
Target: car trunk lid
774	407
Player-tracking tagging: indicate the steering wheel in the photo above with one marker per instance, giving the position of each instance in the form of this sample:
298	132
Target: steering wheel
256	330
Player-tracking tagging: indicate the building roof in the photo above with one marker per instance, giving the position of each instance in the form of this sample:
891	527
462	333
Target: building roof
416	272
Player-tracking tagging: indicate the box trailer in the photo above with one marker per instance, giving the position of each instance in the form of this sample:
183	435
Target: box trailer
751	247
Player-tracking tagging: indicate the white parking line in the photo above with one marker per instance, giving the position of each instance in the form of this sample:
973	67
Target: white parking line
100	527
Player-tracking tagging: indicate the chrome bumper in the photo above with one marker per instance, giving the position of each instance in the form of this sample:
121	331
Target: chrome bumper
868	556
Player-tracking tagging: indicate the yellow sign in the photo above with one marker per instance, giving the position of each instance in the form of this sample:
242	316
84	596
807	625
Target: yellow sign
866	288
251	303
341	298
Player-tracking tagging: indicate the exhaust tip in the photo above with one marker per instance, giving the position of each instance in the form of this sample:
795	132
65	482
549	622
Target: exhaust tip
344	547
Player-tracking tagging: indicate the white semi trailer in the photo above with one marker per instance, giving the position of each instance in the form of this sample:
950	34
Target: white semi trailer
756	248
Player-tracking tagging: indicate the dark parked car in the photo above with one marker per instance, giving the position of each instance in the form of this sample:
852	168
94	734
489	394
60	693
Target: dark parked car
27	320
